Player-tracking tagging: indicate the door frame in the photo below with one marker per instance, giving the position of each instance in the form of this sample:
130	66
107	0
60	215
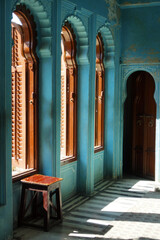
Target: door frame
154	71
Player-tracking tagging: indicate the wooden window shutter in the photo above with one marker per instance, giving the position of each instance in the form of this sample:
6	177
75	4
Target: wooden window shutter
70	111
24	93
99	95
18	102
99	102
68	93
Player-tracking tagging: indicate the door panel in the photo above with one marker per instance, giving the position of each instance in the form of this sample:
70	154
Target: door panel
150	146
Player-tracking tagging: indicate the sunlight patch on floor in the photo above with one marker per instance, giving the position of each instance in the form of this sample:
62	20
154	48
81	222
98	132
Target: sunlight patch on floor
85	235
143	186
100	222
120	205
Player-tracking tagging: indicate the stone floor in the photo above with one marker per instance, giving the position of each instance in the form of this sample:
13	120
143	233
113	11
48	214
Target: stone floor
123	209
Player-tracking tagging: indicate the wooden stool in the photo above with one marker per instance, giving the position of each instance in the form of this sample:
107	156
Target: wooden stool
48	186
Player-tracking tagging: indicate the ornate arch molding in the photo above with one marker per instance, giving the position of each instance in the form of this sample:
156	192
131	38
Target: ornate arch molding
81	38
109	47
127	70
42	22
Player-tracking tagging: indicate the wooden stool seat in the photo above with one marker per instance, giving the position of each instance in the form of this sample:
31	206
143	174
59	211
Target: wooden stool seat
48	186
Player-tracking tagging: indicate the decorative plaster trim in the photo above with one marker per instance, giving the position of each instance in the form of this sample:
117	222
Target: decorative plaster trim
84	15
109	47
79	19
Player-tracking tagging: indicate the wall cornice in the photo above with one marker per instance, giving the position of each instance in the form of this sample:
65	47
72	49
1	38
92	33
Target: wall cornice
134	4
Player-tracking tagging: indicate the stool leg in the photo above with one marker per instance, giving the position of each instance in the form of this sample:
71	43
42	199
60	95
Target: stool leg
22	206
47	213
59	203
34	205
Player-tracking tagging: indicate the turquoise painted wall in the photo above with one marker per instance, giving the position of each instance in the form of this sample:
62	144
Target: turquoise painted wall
87	19
45	116
140	39
140	35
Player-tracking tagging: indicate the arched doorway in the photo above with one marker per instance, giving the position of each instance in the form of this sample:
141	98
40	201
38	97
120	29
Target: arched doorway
139	126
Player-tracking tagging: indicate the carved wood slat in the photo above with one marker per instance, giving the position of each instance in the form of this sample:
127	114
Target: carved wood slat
63	104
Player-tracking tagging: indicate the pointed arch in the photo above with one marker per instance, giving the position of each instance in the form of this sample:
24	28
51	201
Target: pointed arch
127	71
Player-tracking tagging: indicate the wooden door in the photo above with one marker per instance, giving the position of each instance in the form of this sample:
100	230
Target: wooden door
144	119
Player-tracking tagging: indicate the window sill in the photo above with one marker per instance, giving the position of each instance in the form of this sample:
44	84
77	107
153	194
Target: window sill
21	175
68	160
98	149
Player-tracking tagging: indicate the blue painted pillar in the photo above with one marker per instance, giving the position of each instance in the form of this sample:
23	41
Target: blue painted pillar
109	122
86	102
83	126
45	116
50	101
56	87
91	110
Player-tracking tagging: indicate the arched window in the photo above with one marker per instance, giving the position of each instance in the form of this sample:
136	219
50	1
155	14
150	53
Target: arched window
24	92
68	93
99	95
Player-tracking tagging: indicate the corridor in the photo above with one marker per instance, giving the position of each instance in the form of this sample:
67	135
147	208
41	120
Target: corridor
123	209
